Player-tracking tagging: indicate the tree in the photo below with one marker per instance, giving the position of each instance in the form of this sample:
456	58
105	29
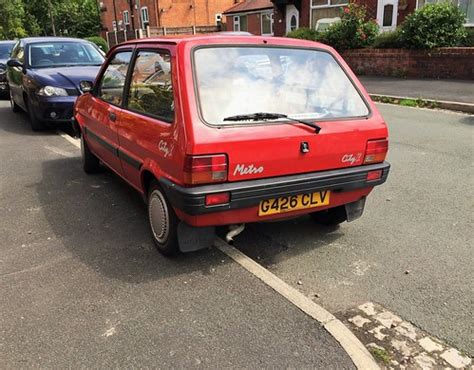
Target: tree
12	18
75	18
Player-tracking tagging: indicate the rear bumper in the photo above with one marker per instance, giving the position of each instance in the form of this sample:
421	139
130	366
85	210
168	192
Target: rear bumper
245	194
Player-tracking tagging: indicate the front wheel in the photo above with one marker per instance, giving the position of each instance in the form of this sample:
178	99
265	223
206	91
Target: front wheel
330	217
163	222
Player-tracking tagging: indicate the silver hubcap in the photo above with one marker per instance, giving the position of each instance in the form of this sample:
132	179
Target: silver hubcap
159	217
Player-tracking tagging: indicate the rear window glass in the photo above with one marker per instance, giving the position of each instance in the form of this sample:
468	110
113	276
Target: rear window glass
301	83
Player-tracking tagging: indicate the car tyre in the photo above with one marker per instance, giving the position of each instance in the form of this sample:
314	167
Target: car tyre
90	163
36	124
163	221
15	107
330	217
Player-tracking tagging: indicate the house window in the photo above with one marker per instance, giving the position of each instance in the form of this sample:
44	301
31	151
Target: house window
387	15
145	19
467	6
267	23
240	23
326	9
293	23
126	18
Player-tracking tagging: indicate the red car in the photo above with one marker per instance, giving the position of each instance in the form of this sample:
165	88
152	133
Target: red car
226	130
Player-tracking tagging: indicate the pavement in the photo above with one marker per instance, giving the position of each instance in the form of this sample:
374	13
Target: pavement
83	286
440	90
411	251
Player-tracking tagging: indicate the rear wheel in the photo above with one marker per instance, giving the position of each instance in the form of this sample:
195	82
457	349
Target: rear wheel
163	221
36	124
330	217
15	107
90	163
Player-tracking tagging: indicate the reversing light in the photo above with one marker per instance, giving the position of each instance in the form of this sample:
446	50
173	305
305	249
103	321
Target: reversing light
217	199
205	169
376	151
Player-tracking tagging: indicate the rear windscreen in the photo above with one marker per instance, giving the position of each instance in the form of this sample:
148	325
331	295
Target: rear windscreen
301	83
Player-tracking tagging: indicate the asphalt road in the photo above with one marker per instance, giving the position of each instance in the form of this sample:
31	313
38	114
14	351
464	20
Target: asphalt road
412	249
82	285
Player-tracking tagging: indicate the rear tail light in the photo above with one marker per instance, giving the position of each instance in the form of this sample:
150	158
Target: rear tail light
205	169
376	151
374	175
217	198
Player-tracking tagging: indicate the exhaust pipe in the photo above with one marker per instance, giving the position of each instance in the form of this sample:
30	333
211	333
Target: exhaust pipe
234	230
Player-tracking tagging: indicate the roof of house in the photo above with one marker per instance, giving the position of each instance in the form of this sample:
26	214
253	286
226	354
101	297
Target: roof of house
249	5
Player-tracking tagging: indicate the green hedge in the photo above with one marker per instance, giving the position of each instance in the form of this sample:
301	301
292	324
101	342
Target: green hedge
100	42
388	40
433	26
352	32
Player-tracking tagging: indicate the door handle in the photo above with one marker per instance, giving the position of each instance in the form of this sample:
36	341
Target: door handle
112	116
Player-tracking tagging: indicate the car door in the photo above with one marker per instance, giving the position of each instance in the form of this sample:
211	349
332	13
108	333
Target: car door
15	75
105	109
146	126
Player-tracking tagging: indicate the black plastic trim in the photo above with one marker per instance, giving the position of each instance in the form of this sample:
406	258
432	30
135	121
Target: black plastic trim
249	193
98	139
115	150
131	161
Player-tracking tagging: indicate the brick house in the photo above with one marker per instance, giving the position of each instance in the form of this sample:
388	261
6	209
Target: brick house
254	16
118	15
291	14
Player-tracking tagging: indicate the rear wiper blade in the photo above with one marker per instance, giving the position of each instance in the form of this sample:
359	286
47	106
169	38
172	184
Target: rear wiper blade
263	116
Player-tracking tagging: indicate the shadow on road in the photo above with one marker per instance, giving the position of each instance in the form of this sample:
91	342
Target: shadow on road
23	125
268	243
103	222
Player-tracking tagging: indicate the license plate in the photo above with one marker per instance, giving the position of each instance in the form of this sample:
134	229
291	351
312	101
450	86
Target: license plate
293	203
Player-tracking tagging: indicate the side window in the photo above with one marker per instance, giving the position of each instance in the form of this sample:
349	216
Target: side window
151	89
111	85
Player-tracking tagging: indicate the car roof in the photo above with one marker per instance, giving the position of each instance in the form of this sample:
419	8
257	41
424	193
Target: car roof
225	38
7	41
30	40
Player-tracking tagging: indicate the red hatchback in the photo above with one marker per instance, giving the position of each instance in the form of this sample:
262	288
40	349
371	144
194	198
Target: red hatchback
225	130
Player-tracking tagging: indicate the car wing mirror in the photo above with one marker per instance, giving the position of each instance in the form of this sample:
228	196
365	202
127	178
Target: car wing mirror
86	86
14	63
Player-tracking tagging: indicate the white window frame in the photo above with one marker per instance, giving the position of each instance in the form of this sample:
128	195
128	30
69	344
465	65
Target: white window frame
126	17
270	13
324	6
144	19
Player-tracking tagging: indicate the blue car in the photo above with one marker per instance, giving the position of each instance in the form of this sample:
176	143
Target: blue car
5	50
44	75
